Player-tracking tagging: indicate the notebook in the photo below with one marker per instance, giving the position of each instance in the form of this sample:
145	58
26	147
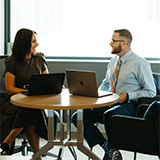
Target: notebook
41	84
84	83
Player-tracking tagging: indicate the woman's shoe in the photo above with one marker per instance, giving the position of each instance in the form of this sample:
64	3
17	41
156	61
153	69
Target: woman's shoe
5	147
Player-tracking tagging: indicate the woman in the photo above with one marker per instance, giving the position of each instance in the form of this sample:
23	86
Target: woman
23	62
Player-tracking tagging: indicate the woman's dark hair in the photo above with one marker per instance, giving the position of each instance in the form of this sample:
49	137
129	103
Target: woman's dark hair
22	43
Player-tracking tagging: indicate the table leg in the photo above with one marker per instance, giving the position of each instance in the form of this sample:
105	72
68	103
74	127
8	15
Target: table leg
67	141
80	145
50	143
68	125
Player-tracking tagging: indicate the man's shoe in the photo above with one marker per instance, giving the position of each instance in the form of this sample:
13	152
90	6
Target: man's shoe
117	156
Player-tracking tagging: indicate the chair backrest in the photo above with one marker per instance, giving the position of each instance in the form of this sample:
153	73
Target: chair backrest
153	111
153	114
2	68
157	78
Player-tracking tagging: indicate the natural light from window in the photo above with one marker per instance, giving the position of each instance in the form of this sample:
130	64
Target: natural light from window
84	28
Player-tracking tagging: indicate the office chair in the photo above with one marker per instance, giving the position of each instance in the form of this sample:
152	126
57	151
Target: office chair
2	80
24	147
137	134
138	122
145	101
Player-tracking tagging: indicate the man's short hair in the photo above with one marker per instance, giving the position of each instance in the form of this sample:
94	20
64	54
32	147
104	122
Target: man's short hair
126	34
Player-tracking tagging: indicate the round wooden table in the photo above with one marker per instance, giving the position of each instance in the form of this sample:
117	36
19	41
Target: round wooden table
64	101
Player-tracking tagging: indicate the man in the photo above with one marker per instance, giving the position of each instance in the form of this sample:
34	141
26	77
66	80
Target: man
129	76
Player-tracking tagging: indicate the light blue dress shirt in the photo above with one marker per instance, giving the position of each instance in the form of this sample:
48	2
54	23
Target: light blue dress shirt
135	77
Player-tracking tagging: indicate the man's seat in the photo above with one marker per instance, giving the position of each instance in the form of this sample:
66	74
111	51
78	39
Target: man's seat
137	134
144	102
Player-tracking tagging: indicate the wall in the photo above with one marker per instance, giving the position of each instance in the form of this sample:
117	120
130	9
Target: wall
98	67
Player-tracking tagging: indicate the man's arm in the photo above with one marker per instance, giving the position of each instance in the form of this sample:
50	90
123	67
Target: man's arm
145	80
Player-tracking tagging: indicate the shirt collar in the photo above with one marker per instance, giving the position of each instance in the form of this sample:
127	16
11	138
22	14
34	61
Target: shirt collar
126	56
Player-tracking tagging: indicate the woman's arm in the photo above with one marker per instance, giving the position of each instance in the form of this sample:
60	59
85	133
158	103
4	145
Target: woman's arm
10	84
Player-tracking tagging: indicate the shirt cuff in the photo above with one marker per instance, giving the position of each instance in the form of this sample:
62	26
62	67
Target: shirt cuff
132	96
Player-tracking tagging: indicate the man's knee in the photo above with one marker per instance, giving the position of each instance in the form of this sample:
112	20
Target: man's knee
107	115
123	109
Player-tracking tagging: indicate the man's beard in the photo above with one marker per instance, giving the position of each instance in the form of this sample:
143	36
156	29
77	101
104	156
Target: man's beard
117	50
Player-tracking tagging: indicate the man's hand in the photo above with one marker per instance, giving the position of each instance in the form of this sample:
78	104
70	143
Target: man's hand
123	97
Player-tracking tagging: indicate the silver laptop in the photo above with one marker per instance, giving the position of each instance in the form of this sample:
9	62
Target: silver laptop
84	83
42	84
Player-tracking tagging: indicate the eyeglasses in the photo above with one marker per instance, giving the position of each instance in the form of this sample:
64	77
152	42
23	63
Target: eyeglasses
113	40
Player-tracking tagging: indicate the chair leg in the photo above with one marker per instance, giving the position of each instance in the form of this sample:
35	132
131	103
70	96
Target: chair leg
135	155
55	126
24	148
56	119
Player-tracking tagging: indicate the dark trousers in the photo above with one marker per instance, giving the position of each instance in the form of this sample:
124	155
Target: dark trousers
102	115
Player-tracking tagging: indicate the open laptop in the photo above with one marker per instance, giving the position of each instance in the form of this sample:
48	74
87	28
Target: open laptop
41	84
84	83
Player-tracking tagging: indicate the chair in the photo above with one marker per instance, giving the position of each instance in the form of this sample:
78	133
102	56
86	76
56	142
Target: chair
132	133
137	134
2	80
144	102
147	100
24	147
157	78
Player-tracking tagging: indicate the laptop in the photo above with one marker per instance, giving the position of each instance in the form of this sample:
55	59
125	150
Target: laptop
42	84
84	83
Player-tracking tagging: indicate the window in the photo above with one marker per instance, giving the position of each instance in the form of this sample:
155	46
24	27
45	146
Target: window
84	28
2	27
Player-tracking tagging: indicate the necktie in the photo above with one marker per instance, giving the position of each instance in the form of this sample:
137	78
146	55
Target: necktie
115	75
